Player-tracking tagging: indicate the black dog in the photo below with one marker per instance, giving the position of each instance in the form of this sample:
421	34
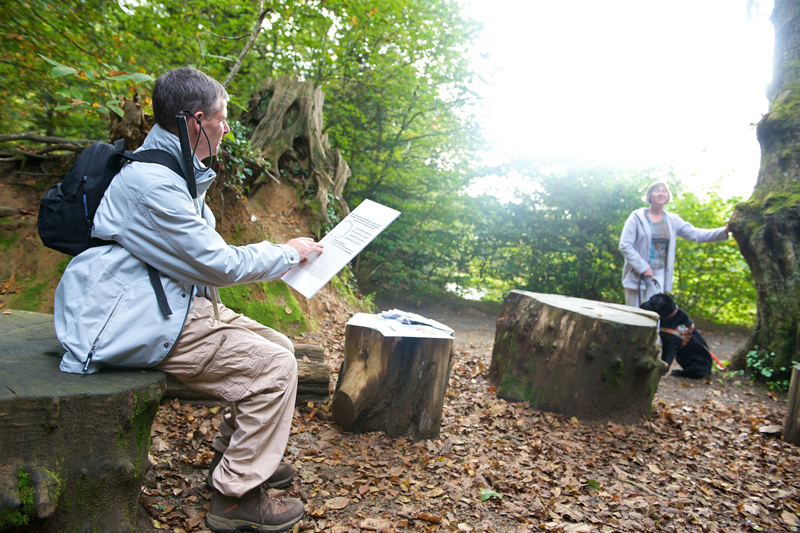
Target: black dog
686	343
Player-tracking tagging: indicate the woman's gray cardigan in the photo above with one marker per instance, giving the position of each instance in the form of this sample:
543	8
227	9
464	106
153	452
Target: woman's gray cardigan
634	243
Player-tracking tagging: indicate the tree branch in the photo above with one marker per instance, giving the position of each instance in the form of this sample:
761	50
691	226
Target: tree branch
6	137
250	42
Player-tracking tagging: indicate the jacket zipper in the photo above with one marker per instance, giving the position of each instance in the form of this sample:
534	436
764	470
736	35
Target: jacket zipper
97	338
188	308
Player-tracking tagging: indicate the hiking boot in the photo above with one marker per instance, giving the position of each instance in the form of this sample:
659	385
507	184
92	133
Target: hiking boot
254	511
280	478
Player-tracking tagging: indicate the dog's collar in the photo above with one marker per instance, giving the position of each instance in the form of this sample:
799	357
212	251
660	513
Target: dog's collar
672	314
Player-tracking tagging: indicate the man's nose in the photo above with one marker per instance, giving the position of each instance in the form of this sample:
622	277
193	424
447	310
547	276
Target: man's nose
227	128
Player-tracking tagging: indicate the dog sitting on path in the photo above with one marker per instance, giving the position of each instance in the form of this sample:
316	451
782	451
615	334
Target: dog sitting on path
680	339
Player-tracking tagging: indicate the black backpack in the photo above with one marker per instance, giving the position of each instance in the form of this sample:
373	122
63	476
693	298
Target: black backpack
67	209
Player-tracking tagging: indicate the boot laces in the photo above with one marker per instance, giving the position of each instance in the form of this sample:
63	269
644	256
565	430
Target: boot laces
272	506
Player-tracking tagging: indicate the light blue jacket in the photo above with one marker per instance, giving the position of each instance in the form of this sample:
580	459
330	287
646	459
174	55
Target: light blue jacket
634	243
105	305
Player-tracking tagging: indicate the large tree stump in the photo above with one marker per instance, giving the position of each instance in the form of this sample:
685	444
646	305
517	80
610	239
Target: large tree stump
393	378
313	379
285	116
596	361
73	449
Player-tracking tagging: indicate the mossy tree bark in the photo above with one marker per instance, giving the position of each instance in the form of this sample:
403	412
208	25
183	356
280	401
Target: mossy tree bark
598	362
767	226
285	116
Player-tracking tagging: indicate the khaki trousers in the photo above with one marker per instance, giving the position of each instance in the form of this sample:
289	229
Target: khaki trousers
253	367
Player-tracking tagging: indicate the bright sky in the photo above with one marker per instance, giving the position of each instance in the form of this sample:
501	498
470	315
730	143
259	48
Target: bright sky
677	83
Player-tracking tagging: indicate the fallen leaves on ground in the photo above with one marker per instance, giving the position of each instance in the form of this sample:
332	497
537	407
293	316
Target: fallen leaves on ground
698	465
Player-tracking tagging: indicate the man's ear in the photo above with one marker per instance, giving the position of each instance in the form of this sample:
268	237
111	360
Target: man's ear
194	125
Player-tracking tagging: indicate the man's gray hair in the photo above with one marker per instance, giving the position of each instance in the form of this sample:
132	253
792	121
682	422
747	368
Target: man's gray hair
185	88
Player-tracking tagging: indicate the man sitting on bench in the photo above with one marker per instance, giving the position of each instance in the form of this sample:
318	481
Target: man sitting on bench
107	311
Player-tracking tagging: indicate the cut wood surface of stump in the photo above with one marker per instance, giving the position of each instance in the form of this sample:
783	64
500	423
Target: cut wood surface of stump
73	448
596	361
393	379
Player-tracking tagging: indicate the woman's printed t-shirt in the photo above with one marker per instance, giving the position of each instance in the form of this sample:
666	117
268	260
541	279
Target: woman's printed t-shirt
659	243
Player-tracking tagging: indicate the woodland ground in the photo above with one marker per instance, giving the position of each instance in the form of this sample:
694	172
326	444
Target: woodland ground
708	460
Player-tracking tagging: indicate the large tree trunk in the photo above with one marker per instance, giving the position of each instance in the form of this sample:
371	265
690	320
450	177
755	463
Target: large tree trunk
767	226
595	361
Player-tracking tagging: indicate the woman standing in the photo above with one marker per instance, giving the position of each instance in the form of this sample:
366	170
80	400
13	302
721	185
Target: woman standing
648	245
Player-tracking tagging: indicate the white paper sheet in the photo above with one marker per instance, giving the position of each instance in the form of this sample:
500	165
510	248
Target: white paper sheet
392	328
343	243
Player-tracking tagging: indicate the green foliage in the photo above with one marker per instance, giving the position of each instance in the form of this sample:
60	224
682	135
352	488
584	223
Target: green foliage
109	86
486	494
560	234
766	367
240	159
68	34
399	104
267	303
712	280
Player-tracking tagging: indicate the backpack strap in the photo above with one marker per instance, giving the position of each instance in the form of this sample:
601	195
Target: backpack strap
164	158
161	157
161	296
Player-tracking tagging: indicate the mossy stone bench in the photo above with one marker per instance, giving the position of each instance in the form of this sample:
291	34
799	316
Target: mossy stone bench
73	449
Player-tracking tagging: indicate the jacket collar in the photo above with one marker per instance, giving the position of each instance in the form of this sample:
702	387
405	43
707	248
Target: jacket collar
161	139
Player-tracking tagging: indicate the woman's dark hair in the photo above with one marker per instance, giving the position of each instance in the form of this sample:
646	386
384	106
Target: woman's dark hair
185	88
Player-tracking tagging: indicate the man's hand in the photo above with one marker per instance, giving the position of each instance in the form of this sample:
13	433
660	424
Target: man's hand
305	246
648	273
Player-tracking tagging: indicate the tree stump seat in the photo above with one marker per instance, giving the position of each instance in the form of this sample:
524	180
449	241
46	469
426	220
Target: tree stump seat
73	448
393	378
596	361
